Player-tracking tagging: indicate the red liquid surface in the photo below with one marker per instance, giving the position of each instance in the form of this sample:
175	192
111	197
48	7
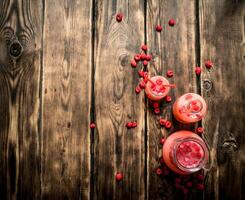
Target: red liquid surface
189	154
189	108
155	89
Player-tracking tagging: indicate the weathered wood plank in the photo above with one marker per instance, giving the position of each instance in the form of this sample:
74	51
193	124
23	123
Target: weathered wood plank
116	148
20	64
66	102
222	40
173	48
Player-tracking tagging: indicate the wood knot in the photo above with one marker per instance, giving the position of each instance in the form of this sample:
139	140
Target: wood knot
229	144
207	85
15	49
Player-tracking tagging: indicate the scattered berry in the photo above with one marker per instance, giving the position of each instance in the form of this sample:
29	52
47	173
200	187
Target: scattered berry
133	63
200	130
134	124
159	171
157	110
170	73
148	57
137	57
141	73
198	70
200	177
92	125
142	84
155	105
145	62
168	98
209	64
200	186
143	56
162	141
137	89
119	17
144	47
171	22
129	124
158	28
162	121
168	124
119	176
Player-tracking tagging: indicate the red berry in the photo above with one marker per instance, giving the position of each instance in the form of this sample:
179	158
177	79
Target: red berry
137	90
200	130
129	125
134	124
157	110
162	141
189	184
209	64
162	121
144	47
159	171
170	73
168	98
155	105
141	73
92	125
168	124
119	17
143	56
148	57
145	63
200	186
177	180
198	70
200	177
158	28
142	84
137	57
171	22
133	63
119	176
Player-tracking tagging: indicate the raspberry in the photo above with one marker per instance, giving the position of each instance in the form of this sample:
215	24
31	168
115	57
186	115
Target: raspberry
129	125
200	186
168	98
171	22
198	70
158	28
142	84
148	57
209	64
145	63
119	176
134	124
137	90
144	47
168	124
157	110
92	125
133	63
199	130
162	121
159	171
170	73
155	105
141	73
189	184
119	17
143	56
162	141
200	177
137	57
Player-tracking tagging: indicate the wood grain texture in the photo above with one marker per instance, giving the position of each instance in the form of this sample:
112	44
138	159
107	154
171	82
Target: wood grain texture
174	48
66	102
222	40
20	35
116	148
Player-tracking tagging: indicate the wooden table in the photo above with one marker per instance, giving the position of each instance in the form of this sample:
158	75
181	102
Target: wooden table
64	64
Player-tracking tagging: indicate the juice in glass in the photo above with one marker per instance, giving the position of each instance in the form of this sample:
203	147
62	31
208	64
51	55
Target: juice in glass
189	108
185	152
157	88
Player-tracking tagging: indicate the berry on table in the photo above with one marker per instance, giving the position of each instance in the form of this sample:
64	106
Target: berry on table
145	62
189	184
148	57
137	89
198	70
200	186
155	105
162	121
168	98
200	177
159	171
119	176
137	57
129	124
199	130
157	110
92	125
134	124
141	73
170	73
119	17
162	141
133	63
158	28
144	47
143	56
171	22
142	84
208	64
168	124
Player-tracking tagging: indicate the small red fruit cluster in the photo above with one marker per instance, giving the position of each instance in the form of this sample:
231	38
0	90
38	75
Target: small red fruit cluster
166	123
131	124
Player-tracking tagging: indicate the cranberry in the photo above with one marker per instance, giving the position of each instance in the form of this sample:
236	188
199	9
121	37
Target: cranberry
143	56
162	121
142	84
168	124
148	57
200	130
157	110
92	125
162	141
155	105
189	184
170	73
209	64
141	73
200	177
119	17
145	62
144	47
133	63
129	125
168	98
134	124
198	70
159	171
119	176
158	28
137	90
171	22
137	57
200	186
